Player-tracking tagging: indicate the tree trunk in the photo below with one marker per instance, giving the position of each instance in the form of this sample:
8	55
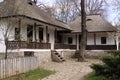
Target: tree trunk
6	44
83	34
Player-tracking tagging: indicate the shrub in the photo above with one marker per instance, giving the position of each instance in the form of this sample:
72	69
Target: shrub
111	66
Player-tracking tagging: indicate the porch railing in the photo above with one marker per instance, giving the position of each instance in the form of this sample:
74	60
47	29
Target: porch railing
28	45
101	47
64	46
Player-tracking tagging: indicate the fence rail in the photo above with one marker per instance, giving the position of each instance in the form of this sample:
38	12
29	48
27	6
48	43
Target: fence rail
10	67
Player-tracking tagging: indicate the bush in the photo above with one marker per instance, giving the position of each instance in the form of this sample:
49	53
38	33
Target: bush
111	66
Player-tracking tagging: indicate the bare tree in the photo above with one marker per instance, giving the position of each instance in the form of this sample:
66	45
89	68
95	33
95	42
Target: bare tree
65	10
116	5
68	10
83	34
8	23
91	6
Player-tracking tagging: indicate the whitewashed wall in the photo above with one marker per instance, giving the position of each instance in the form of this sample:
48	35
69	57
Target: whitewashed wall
65	39
110	41
3	30
23	32
90	39
51	32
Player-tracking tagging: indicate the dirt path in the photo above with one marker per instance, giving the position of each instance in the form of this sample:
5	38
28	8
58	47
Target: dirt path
69	70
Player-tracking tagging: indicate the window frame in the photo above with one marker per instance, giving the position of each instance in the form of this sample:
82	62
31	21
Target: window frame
103	40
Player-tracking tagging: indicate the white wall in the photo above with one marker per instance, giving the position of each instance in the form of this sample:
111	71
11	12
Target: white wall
51	32
3	31
90	39
65	39
23	32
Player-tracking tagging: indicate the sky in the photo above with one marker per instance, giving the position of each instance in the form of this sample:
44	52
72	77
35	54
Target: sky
110	12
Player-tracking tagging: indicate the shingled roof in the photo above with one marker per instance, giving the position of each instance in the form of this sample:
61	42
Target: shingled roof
95	23
23	7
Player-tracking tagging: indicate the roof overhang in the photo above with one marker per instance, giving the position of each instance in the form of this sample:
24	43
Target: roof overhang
15	16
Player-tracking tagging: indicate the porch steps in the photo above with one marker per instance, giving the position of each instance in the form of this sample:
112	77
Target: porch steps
56	56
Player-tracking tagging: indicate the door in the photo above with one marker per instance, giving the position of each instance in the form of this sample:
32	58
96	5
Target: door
30	33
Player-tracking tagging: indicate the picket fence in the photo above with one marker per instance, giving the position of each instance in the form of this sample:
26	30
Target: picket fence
15	66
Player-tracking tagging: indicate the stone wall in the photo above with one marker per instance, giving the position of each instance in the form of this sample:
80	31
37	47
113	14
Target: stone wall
95	53
43	56
67	54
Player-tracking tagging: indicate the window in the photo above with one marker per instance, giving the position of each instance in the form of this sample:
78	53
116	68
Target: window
70	40
103	40
17	34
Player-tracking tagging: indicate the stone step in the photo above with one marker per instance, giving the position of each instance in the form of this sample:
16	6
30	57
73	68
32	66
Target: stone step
56	56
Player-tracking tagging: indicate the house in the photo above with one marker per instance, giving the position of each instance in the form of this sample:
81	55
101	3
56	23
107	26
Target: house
29	27
97	33
31	30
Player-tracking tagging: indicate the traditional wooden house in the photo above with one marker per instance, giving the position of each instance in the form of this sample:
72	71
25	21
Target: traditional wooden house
97	33
28	27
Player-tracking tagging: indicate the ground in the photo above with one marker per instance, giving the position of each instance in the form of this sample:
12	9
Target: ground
69	70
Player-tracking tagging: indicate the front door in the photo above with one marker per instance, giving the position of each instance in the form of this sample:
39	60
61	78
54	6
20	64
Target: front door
40	34
30	33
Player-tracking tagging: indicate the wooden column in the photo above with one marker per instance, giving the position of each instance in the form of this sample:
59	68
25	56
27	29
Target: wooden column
94	38
47	34
77	41
117	42
55	35
35	36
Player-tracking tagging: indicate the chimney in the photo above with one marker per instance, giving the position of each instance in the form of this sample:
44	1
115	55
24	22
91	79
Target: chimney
31	2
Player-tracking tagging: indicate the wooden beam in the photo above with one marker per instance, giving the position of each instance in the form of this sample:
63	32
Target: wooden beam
46	34
55	35
35	35
94	38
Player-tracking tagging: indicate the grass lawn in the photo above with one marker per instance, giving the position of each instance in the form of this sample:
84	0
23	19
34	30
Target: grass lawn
32	75
92	76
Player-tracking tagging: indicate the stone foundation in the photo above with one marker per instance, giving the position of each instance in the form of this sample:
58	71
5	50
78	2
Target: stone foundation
67	54
43	56
94	54
11	55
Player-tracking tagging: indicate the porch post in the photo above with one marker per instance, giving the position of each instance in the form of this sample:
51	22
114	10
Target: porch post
117	43
34	38
45	32
55	35
77	39
94	39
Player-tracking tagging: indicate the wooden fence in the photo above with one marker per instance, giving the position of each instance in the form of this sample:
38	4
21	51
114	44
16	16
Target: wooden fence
15	66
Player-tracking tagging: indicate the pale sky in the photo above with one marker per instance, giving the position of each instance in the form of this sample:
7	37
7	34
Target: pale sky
110	10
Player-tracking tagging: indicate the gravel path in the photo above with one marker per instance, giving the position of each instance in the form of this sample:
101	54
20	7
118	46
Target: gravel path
69	70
